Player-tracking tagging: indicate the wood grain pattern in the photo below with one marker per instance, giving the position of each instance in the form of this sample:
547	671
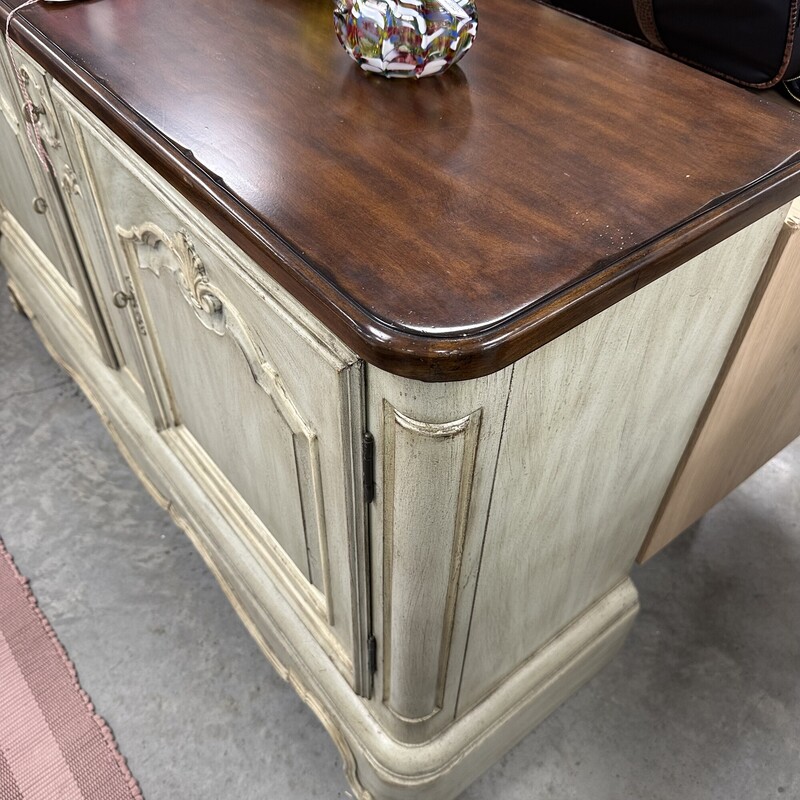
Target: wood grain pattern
596	422
244	366
444	228
377	765
754	410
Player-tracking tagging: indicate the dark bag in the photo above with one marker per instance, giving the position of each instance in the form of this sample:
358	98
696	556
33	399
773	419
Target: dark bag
754	43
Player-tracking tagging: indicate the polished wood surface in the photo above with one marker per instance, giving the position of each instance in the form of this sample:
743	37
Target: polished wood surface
754	410
442	228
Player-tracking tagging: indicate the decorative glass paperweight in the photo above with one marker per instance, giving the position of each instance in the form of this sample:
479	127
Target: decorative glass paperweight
406	38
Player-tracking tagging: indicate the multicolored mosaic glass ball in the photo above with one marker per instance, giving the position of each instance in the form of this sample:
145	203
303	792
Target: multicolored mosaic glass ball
406	38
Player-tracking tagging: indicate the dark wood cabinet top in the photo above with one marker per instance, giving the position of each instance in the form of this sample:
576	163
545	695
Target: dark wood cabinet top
446	227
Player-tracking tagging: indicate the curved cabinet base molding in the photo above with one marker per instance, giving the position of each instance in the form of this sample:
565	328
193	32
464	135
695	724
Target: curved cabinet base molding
465	430
444	766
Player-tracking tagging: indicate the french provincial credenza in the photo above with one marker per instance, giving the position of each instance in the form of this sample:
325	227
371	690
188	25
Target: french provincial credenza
419	367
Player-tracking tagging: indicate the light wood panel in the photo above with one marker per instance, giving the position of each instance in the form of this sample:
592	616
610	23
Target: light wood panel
754	410
508	508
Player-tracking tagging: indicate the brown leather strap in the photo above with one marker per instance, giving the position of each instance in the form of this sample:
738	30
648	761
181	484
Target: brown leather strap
646	17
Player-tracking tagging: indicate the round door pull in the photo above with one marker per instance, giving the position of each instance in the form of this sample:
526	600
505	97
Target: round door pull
33	112
40	205
121	299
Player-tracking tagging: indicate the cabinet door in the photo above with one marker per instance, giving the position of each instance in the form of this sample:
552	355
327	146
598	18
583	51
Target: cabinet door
33	196
97	245
19	194
260	403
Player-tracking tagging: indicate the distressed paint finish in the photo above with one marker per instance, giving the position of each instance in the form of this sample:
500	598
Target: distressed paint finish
436	449
224	360
421	572
20	182
596	423
493	574
68	260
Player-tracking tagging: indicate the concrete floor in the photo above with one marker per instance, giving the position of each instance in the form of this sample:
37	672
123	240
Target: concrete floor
703	702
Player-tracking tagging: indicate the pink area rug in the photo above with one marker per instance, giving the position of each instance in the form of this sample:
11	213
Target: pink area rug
52	744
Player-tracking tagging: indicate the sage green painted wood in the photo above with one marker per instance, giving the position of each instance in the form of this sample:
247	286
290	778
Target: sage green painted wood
421	572
508	510
80	195
377	766
597	421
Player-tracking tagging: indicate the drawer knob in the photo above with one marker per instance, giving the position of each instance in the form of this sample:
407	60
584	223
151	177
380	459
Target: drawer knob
40	205
121	299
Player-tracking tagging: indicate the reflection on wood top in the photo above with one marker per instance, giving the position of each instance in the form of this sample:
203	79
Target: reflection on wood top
446	227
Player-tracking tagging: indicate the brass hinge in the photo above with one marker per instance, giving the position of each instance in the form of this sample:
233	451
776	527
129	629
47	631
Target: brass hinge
368	458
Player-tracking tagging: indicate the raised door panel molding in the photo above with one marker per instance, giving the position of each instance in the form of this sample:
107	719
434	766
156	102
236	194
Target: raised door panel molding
436	453
18	195
34	83
271	458
422	564
263	406
22	181
199	383
103	263
296	446
754	410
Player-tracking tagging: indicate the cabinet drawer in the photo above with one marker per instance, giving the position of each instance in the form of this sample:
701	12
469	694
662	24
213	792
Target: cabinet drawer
259	401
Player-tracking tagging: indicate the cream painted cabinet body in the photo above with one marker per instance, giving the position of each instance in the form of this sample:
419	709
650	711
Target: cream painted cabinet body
429	627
